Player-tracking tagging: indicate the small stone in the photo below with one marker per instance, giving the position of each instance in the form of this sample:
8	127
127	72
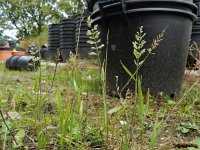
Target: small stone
14	115
123	122
84	93
89	78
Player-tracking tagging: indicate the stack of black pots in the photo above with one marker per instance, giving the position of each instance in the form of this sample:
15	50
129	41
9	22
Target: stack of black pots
162	71
54	40
67	38
196	28
193	55
82	47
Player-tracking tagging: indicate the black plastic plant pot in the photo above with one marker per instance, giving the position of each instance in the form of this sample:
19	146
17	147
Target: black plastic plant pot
64	43
84	37
54	50
68	43
53	41
67	29
67	35
11	62
83	41
70	29
82	29
82	23
67	21
67	40
22	63
54	25
83	44
54	44
54	34
67	26
45	53
84	52
65	53
53	38
162	71
68	48
91	4
81	35
67	32
82	20
71	47
52	55
51	45
196	1
54	30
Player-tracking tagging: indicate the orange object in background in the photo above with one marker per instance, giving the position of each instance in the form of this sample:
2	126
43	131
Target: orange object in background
5	54
19	53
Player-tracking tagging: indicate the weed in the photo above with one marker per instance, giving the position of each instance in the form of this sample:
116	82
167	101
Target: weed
95	42
139	106
186	127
